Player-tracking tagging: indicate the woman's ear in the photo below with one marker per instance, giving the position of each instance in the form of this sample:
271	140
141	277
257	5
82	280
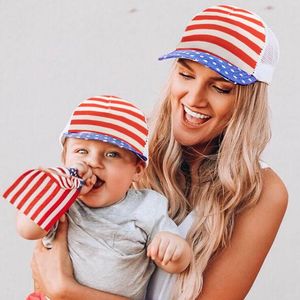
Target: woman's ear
140	167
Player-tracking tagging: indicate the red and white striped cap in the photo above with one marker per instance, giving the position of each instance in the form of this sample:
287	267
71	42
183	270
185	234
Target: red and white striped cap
232	41
109	119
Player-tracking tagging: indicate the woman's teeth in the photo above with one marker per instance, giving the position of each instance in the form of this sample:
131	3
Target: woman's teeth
195	114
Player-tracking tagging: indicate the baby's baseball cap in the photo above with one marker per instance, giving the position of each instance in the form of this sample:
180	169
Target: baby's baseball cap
231	41
109	119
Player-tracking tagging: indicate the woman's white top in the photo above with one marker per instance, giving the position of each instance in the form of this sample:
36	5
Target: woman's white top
161	283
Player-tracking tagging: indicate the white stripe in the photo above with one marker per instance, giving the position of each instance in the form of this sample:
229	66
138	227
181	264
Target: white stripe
130	108
64	171
41	201
125	104
220	52
112	132
232	11
240	30
48	206
28	187
245	22
122	124
58	209
118	113
229	38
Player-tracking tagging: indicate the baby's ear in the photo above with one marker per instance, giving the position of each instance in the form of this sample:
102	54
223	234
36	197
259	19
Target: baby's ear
63	154
140	167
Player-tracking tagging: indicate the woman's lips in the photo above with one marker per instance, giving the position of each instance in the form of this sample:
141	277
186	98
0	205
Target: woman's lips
194	118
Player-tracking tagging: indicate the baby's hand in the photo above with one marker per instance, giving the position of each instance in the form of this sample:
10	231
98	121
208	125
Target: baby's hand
85	172
166	247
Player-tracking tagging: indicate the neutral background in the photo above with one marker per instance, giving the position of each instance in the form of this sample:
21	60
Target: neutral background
53	54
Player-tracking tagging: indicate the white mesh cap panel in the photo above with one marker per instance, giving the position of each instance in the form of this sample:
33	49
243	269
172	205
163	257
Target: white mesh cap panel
265	66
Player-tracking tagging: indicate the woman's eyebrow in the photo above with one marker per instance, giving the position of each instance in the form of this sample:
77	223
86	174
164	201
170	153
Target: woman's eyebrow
185	64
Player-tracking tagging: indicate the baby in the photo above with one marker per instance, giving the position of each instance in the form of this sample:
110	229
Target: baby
115	232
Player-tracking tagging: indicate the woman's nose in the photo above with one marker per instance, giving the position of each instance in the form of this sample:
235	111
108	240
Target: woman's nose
197	97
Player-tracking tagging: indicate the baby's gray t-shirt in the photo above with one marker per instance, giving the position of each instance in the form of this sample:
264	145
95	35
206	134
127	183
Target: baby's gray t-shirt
108	245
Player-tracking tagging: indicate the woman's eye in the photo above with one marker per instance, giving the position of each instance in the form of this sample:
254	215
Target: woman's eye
221	90
112	154
186	75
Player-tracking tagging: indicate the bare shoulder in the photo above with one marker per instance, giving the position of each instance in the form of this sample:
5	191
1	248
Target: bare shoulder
231	274
274	194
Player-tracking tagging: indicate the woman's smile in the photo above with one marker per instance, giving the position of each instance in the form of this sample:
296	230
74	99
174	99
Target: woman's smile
194	118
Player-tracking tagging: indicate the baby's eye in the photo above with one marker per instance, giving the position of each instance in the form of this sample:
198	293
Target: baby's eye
82	151
112	154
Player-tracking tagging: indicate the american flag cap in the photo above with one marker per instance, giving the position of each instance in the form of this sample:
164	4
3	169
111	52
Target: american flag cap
231	41
109	119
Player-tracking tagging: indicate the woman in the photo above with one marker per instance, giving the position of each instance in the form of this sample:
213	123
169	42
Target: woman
205	151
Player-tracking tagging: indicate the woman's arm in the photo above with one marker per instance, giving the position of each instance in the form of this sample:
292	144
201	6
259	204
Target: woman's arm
27	229
53	272
232	273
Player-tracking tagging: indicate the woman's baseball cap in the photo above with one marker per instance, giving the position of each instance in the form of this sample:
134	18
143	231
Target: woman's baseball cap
109	119
231	41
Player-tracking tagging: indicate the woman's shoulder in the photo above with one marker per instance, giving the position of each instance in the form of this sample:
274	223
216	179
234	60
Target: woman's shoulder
274	193
254	232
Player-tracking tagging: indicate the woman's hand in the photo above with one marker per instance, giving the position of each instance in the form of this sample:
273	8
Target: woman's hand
52	269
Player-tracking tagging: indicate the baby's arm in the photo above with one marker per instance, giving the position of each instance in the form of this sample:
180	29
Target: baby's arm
170	252
27	229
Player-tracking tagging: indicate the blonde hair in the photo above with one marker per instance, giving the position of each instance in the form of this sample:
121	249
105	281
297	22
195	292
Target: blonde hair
228	180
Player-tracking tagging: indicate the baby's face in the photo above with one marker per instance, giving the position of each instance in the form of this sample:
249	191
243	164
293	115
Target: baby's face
115	169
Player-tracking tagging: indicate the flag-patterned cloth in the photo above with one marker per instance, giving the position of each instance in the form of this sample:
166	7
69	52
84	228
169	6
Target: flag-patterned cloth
237	35
110	119
44	195
232	41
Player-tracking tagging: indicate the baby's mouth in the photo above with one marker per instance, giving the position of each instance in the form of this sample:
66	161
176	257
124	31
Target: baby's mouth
99	183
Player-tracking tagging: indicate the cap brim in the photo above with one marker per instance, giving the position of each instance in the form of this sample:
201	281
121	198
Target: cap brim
102	138
222	67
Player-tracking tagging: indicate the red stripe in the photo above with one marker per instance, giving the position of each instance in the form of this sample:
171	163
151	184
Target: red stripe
112	116
45	202
133	113
16	183
108	125
254	32
64	171
113	100
32	190
57	203
224	44
38	197
229	31
61	212
114	136
255	21
23	188
61	180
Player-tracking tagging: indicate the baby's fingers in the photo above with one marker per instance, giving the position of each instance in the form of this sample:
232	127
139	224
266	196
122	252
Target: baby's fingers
152	250
169	253
91	180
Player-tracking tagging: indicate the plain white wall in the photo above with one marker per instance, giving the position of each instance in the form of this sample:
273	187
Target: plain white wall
55	53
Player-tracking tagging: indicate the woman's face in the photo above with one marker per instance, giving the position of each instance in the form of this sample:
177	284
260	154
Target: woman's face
202	103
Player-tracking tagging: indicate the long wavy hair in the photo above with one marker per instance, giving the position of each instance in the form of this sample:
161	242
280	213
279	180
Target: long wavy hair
227	182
